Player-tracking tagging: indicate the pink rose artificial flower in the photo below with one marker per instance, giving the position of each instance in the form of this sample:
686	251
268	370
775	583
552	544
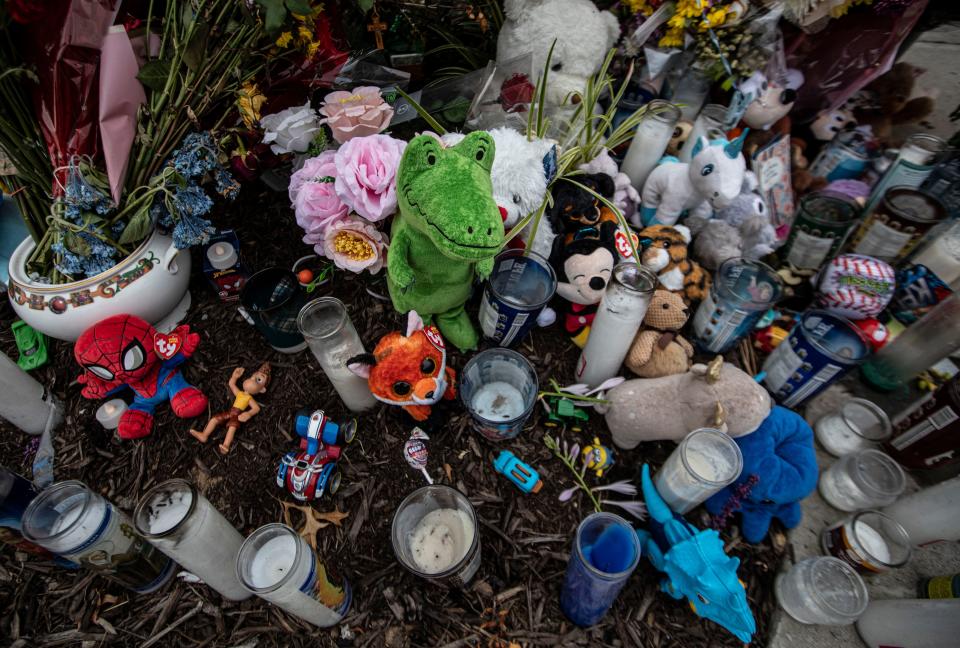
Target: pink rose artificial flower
314	197
366	177
357	113
354	244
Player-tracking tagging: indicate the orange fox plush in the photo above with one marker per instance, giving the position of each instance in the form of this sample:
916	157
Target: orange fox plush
410	371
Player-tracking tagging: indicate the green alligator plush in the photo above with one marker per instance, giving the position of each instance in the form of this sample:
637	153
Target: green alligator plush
448	227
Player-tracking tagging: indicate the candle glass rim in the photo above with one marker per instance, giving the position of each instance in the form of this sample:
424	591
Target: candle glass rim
316	304
903	538
715	109
838	200
539	259
664	108
260	275
939	211
528	408
759	267
876	410
861	587
871	487
858	333
246	548
588	565
145	501
717	434
620	270
457	566
937	143
43	497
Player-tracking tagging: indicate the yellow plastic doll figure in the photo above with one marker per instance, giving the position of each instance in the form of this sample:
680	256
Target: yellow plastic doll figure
244	406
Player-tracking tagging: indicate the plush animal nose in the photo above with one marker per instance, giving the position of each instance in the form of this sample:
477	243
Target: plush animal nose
716	194
597	283
429	394
426	390
503	212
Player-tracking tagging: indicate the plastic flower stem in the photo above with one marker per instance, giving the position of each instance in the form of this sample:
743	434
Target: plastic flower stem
577	397
552	445
427	117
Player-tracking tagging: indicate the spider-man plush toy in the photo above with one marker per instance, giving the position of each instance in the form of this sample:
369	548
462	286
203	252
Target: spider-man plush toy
124	351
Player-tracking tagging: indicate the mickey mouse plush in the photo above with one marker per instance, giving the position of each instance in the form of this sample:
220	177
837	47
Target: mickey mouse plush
583	269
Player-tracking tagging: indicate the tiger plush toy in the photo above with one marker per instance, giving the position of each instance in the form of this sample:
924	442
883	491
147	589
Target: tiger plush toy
665	253
408	370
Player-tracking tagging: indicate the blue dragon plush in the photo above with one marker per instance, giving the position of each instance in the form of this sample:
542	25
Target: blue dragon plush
695	565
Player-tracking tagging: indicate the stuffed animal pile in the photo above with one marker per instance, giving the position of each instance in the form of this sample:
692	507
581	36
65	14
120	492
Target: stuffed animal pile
665	254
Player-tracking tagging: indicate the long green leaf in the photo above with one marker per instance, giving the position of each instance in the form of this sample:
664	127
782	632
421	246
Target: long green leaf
620	219
427	117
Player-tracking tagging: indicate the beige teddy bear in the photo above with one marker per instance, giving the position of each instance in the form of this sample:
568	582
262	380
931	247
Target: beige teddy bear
658	350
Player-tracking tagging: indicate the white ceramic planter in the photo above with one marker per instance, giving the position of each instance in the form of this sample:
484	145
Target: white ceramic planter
151	283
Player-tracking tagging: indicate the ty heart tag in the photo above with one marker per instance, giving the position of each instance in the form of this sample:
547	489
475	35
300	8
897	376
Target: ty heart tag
167	344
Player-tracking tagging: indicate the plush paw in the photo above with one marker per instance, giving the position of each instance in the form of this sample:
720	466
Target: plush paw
485	267
135	424
188	402
458	330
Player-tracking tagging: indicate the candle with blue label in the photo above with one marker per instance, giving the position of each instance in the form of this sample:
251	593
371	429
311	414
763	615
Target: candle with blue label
819	350
519	288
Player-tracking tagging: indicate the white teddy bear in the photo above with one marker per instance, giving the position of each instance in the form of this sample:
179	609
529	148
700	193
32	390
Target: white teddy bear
521	171
584	35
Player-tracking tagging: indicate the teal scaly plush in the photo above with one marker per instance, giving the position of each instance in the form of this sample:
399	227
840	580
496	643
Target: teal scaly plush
448	230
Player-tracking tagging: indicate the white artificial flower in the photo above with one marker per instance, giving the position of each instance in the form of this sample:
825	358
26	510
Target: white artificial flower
290	130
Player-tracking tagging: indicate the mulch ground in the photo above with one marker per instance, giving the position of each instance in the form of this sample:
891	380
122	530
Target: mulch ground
525	538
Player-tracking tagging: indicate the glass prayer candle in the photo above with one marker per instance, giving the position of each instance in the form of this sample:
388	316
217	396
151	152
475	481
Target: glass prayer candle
857	425
822	591
942	256
741	292
926	437
26	403
650	141
521	284
16	493
910	622
271	300
618	319
935	336
821	347
930	515
819	229
865	479
326	326
499	388
279	566
70	520
897	224
944	184
182	523
913	165
435	536
706	461
868	541
108	415
605	552
845	156
709	123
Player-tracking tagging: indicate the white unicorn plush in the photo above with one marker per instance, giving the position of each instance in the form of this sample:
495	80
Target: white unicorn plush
711	180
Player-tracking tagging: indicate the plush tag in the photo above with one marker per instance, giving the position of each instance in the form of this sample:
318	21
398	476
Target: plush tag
167	344
433	334
623	245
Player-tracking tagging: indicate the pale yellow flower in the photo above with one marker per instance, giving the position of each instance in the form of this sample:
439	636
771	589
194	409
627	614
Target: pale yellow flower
249	102
284	39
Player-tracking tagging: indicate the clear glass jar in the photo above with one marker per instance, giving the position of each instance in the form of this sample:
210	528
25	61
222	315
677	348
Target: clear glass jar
499	388
618	319
935	336
741	292
177	519
942	255
915	162
650	141
857	425
326	326
606	550
70	520
709	123
435	535
279	566
822	591
706	461
868	541
863	480
691	87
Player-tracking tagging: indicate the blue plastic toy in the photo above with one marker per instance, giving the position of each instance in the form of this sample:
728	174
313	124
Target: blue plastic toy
526	478
695	565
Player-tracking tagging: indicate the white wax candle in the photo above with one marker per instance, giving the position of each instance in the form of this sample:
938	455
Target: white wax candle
498	401
168	513
222	255
23	402
77	528
646	149
441	539
611	335
683	489
872	542
108	414
353	390
273	562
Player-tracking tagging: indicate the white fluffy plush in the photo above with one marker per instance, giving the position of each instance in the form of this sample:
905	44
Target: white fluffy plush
520	177
710	181
583	33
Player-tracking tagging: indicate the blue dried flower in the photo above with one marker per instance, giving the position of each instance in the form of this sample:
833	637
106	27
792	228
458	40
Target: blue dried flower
191	230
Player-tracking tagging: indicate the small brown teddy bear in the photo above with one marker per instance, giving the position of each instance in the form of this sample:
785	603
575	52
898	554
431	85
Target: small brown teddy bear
658	350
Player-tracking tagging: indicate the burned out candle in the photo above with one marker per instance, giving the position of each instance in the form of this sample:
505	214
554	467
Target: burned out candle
705	461
499	388
441	539
183	524
868	541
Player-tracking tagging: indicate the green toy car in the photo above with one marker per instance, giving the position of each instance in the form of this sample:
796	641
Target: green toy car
564	413
31	344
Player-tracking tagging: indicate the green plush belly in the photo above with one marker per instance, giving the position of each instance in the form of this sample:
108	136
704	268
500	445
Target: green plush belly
442	284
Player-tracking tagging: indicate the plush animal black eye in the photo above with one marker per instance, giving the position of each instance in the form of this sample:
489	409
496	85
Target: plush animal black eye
427	366
556	67
665	307
706	170
401	388
431	159
479	155
516	199
788	96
